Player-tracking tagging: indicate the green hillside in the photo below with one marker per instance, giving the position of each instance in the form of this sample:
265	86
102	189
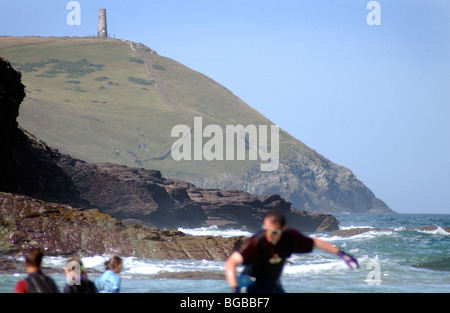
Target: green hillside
109	100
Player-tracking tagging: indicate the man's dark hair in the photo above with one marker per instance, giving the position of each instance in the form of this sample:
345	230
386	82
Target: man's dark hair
34	257
276	216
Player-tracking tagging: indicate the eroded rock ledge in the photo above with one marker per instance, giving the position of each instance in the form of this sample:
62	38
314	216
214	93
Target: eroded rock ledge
137	195
60	229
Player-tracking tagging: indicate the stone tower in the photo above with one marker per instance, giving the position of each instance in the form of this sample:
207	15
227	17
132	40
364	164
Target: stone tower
102	31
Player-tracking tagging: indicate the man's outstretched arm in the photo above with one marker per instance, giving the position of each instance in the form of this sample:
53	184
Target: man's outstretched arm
325	246
328	247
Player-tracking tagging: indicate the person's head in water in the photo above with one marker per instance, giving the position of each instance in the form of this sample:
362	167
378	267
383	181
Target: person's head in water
273	224
114	264
71	266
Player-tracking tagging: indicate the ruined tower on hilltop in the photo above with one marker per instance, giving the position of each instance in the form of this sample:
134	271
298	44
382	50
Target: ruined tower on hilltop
102	31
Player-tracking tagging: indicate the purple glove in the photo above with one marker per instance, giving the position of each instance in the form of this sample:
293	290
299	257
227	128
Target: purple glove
348	259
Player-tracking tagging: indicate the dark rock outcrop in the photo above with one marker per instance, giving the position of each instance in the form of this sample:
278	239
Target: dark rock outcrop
144	196
26	164
442	264
11	95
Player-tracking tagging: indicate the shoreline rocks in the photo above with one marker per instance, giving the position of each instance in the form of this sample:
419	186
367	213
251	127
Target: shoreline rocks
64	230
362	230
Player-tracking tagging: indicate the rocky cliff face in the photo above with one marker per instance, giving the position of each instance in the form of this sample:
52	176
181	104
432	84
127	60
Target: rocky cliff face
60	229
310	183
143	196
26	163
43	190
326	188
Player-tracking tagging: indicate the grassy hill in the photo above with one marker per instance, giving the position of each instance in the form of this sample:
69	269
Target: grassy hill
109	100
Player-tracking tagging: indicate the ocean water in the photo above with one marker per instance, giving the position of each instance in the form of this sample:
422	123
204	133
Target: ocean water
387	258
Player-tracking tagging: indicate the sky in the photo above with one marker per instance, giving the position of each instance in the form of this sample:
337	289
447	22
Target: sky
374	98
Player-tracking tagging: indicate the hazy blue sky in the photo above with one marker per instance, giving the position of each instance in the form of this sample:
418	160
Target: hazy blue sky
375	99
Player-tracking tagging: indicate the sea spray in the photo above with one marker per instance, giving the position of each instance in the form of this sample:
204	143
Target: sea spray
401	257
215	231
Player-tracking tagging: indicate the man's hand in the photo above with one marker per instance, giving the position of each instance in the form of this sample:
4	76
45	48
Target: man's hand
348	259
234	260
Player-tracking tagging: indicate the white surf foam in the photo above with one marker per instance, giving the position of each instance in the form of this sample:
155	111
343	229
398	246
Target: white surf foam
138	266
215	231
438	231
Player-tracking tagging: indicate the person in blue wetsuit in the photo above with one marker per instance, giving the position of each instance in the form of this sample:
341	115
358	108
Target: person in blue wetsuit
109	281
265	254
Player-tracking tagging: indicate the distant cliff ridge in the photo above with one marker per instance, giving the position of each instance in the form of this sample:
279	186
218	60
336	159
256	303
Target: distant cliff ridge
116	101
329	188
68	205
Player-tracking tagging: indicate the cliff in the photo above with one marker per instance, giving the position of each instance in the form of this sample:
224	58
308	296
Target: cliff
67	205
117	101
26	163
136	195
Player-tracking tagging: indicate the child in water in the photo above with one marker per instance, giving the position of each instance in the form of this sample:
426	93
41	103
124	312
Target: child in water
84	285
109	281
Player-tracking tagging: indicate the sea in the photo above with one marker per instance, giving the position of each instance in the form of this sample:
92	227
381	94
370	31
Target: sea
400	258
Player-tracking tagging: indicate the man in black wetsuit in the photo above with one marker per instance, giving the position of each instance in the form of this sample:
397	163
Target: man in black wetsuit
265	254
36	282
